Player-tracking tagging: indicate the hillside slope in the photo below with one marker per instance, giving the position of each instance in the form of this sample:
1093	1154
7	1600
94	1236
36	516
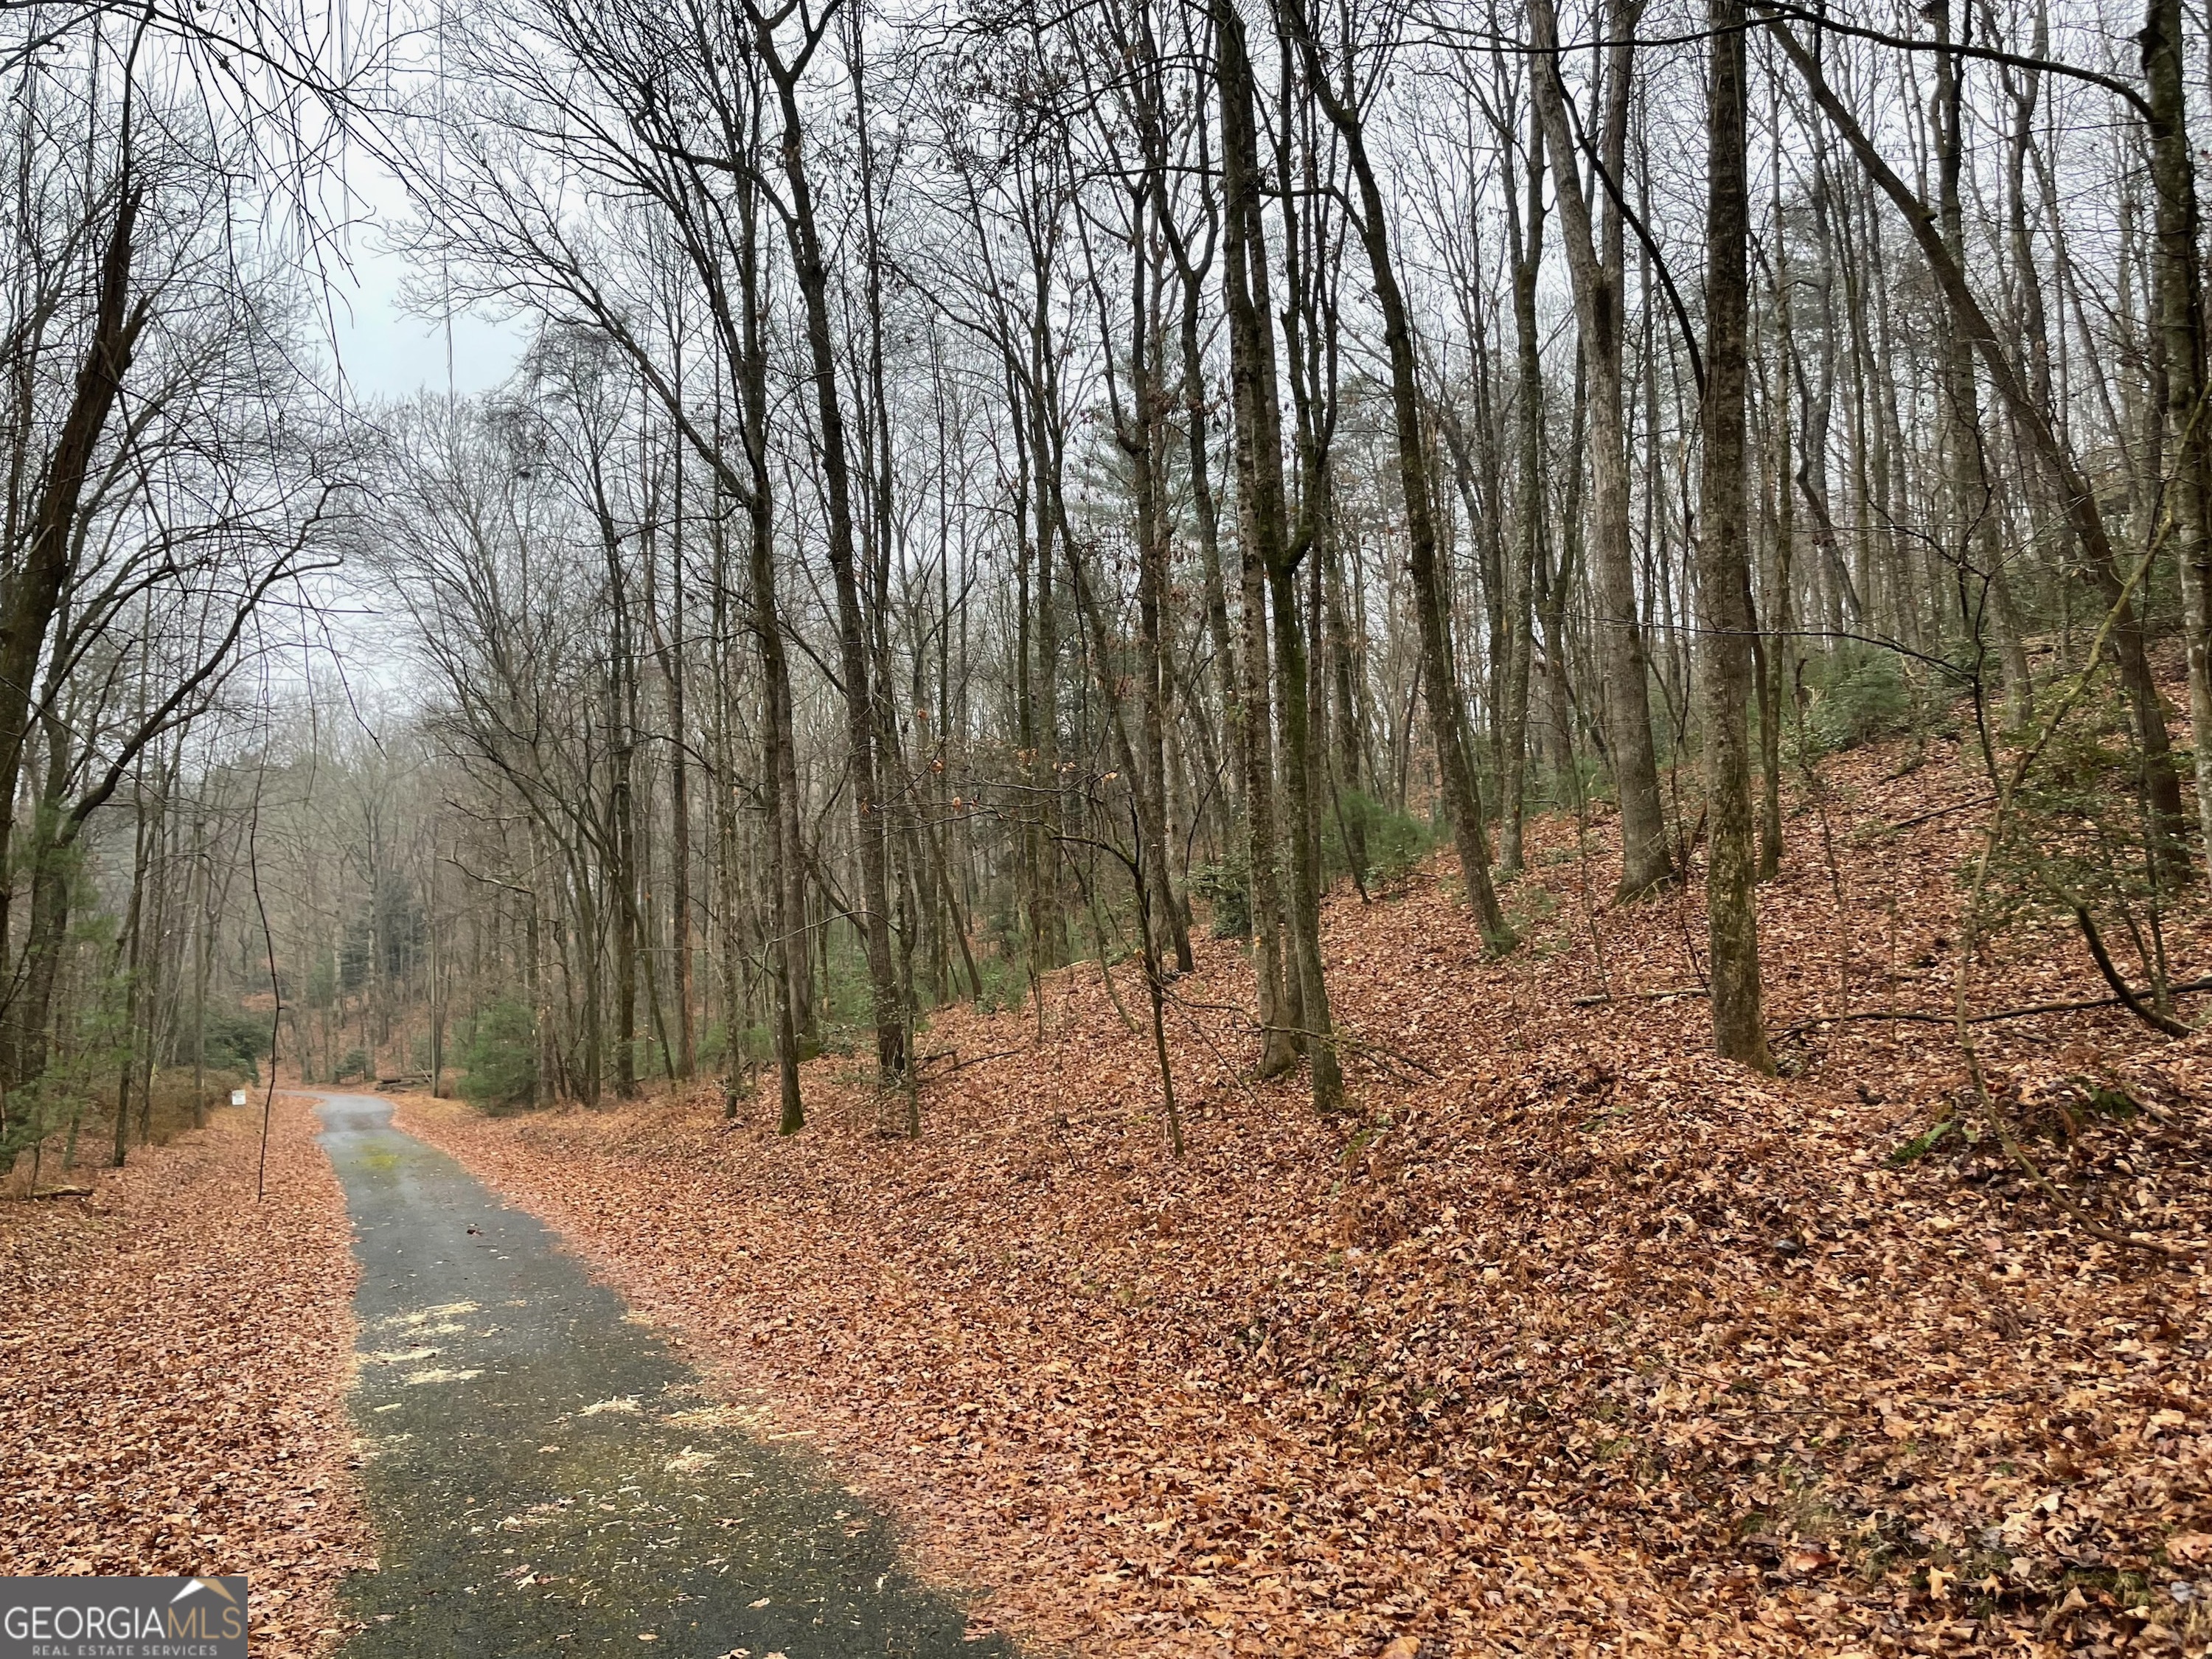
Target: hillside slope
1568	1338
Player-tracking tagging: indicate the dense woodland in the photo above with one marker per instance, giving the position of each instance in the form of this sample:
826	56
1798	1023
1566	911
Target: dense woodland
989	487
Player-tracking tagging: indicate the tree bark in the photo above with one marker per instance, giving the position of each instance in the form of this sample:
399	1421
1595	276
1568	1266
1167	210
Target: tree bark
1261	487
1595	272
1526	248
1724	559
2178	284
869	818
31	592
1446	707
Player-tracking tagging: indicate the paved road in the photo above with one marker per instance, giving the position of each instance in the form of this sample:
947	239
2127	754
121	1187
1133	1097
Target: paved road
547	1478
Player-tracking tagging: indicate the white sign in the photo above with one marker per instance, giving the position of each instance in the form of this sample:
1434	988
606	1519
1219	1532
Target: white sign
238	1096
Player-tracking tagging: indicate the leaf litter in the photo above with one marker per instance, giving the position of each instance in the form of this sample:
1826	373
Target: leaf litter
175	1359
1567	1339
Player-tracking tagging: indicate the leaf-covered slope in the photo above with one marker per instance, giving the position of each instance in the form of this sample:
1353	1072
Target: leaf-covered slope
1569	1337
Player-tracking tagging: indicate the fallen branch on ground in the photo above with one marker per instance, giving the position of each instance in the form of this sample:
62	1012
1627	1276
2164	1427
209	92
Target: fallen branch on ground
1919	1018
1604	997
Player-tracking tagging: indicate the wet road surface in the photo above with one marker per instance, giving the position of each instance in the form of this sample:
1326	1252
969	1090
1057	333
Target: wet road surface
547	1478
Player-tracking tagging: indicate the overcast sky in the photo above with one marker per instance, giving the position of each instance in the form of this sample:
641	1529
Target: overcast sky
386	351
386	354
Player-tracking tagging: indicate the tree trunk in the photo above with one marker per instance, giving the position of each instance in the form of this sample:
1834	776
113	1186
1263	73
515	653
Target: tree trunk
32	592
1527	251
1595	273
1447	712
792	1013
869	818
129	949
1724	559
2178	281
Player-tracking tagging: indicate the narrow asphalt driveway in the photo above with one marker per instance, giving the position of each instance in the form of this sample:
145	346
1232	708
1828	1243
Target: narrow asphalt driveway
547	1478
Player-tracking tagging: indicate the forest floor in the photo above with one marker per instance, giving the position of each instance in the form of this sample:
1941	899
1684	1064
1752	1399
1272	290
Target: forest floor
174	1358
1566	1338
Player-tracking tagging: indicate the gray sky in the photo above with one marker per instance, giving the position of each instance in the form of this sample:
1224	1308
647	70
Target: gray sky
386	352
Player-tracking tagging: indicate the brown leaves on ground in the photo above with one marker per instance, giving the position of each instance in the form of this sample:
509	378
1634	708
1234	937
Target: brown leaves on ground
174	1364
1570	1339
